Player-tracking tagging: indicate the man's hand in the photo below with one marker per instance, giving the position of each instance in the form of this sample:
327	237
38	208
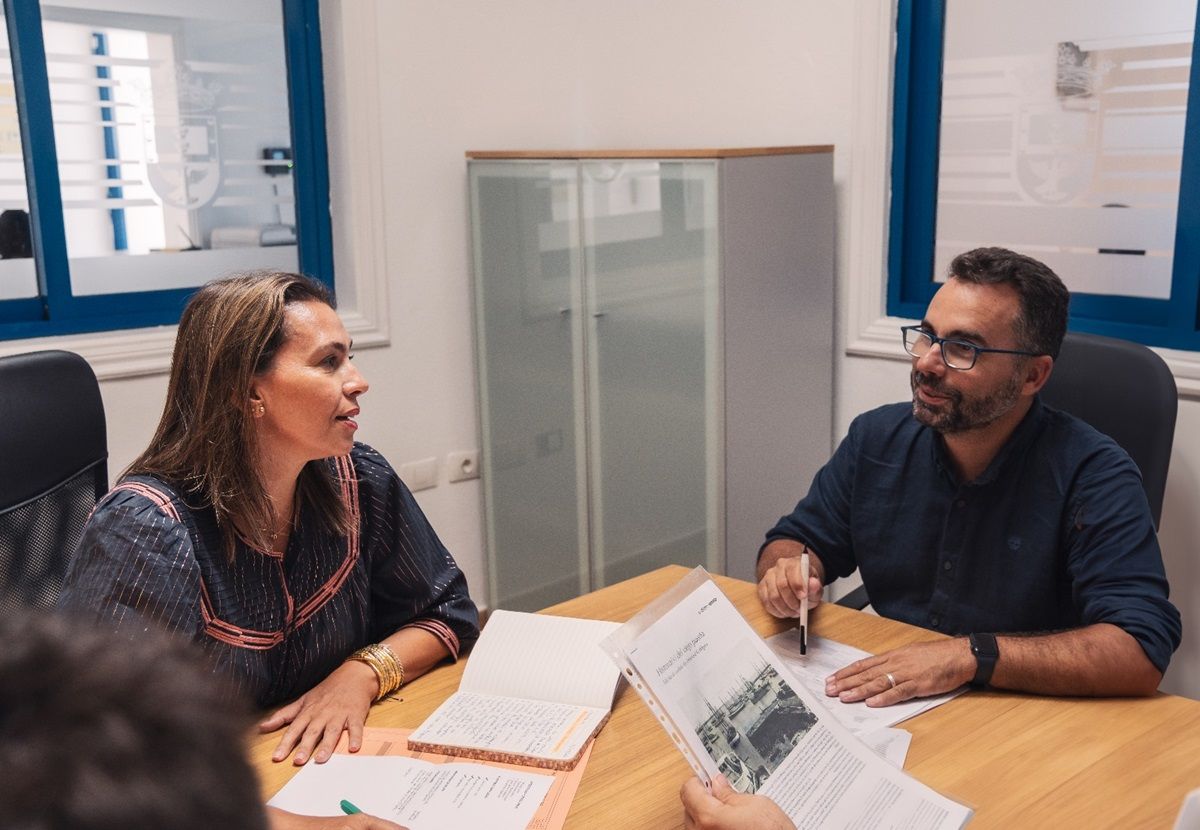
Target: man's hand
338	703
727	809
780	586
918	669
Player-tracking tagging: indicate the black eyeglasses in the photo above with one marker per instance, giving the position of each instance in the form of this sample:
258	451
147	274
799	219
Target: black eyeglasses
956	354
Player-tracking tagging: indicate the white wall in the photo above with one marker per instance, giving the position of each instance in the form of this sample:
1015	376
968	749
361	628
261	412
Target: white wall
552	74
523	74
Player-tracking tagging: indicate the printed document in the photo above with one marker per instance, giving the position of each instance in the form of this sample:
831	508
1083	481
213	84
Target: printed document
890	744
827	656
417	794
732	706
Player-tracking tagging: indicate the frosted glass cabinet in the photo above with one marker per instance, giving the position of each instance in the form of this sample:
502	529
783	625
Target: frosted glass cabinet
654	336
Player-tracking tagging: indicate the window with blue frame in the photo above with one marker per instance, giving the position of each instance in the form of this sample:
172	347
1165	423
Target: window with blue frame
1069	131
149	146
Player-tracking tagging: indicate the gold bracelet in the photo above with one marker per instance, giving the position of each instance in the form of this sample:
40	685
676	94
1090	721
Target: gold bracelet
397	665
389	671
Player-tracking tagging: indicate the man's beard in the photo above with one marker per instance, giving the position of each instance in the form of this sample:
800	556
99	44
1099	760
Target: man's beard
959	413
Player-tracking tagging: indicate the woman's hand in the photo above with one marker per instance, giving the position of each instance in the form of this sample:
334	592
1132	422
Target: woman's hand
317	718
283	820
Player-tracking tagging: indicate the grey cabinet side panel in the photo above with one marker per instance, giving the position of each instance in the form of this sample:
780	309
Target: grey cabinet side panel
777	215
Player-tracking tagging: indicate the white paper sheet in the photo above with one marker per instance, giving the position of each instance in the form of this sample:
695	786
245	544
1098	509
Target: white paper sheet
417	794
890	744
828	656
732	706
542	657
1189	813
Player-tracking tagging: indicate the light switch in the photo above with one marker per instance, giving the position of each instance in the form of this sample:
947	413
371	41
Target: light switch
420	475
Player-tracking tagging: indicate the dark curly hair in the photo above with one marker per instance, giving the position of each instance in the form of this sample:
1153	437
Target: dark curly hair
101	732
1042	322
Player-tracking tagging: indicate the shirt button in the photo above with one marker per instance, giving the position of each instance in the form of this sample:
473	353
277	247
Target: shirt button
947	566
960	503
935	620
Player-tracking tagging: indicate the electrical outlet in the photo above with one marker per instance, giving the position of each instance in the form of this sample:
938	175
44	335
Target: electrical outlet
419	475
463	465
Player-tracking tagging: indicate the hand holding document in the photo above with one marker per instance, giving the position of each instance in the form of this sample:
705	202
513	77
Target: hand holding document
733	707
536	688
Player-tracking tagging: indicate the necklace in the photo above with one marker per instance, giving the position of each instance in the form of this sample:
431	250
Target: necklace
282	529
274	534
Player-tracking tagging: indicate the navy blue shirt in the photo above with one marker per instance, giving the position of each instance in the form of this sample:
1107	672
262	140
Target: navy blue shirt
276	623
1055	534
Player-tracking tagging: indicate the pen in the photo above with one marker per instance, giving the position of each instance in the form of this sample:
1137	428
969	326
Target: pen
348	808
804	602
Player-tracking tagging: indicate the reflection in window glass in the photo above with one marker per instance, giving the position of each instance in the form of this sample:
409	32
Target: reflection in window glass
173	141
18	278
1064	139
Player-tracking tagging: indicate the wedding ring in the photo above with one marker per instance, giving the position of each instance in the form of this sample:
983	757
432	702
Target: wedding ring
891	679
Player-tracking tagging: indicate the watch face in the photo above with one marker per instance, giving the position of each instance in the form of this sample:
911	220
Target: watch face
984	646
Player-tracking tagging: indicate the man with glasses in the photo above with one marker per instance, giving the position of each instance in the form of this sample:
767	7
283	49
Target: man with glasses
976	511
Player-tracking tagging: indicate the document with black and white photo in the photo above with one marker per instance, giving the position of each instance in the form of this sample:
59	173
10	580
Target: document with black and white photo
731	706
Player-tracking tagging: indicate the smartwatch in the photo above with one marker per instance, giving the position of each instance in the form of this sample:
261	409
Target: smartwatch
986	652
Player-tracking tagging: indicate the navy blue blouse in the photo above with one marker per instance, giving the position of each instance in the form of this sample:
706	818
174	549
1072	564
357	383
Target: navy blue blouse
275	623
1055	534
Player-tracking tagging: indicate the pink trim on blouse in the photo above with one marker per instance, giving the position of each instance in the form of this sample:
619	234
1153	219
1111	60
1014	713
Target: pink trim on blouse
252	639
440	630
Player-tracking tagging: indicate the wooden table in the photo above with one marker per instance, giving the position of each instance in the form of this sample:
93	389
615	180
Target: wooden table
1019	760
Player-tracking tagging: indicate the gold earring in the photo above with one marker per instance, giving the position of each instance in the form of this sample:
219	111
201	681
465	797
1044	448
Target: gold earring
259	410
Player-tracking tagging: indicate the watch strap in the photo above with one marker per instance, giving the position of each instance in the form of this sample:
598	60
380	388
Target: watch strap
986	651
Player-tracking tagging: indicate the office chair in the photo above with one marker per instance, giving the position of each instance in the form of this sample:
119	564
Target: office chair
53	468
1120	388
1127	392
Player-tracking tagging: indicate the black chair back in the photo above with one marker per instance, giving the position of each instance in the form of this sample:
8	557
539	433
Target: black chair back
53	468
1126	391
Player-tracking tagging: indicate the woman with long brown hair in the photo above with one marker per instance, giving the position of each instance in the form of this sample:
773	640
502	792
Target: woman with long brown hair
255	525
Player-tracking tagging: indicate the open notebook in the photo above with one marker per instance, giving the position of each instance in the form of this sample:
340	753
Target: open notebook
535	689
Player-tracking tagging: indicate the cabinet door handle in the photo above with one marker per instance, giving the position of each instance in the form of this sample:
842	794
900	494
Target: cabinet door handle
599	314
564	311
